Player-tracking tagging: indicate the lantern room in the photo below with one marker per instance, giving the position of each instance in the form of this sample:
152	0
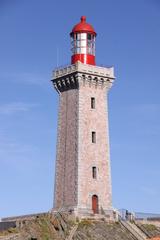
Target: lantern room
83	43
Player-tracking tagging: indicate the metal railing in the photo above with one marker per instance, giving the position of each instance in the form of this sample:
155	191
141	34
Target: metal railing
127	215
147	216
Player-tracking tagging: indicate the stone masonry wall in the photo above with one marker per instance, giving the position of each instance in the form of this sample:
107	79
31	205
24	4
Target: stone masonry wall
93	154
66	162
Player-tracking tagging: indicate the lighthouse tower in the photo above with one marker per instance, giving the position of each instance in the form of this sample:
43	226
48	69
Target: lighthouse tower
83	176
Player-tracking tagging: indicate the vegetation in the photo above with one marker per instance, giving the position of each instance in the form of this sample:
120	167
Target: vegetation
58	227
85	223
9	231
150	227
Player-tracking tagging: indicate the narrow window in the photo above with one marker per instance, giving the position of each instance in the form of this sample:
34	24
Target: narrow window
94	172
93	103
93	137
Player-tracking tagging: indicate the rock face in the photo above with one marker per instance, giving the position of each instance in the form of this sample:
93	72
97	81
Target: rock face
62	227
100	230
41	228
150	229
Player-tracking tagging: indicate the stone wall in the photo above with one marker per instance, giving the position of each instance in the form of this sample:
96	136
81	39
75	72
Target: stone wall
6	225
93	154
66	165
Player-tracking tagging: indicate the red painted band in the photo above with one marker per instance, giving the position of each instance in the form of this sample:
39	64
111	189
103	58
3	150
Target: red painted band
83	58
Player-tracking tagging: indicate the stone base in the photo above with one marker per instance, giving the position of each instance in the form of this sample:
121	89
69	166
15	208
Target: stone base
82	213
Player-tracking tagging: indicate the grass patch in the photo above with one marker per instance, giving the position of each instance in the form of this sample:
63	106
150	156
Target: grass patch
85	223
150	227
9	231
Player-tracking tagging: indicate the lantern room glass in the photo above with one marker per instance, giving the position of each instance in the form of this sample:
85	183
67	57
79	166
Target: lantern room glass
83	43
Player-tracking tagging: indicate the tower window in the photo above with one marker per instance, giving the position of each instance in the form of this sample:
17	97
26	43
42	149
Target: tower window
89	36
94	172
93	137
93	103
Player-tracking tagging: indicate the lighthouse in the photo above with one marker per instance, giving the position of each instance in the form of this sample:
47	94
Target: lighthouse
83	43
82	172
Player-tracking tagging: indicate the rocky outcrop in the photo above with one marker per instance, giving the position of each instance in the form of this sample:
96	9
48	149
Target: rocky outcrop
61	227
151	230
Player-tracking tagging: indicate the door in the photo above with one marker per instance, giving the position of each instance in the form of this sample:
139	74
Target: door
95	204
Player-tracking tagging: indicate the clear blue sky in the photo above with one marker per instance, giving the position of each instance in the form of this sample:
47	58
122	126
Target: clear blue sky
128	38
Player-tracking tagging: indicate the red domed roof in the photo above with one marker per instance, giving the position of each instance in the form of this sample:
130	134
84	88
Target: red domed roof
83	27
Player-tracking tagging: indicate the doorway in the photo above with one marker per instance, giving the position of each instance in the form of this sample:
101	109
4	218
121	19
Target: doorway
95	204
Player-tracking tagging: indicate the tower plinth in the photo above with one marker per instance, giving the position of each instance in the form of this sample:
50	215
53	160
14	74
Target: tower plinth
83	177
